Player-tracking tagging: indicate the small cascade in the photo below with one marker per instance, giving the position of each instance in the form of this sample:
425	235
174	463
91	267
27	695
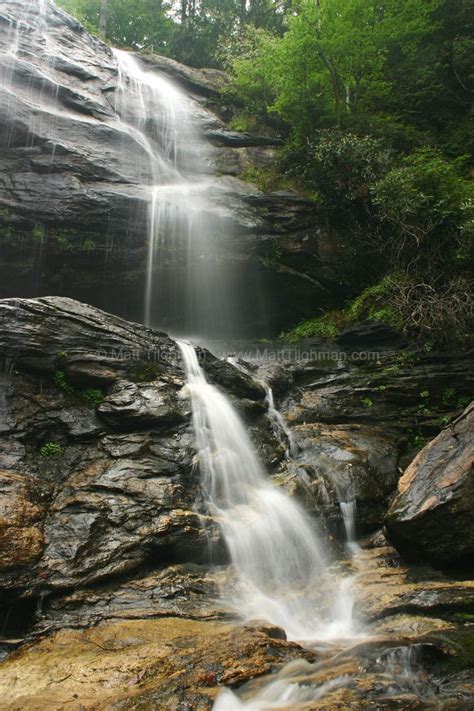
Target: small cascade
281	429
280	426
404	673
349	518
279	560
6	374
279	695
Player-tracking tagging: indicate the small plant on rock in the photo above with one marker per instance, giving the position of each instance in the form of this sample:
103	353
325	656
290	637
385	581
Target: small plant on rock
50	449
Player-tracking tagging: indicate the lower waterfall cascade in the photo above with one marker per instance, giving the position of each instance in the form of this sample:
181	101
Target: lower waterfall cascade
280	564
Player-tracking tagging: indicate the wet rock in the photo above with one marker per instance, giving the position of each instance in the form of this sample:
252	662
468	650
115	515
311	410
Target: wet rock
225	137
185	590
349	462
21	513
431	517
364	335
141	664
99	476
388	589
129	404
205	82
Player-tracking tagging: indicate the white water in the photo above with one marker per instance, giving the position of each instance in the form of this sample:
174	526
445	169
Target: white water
349	517
187	289
280	564
279	421
281	429
279	694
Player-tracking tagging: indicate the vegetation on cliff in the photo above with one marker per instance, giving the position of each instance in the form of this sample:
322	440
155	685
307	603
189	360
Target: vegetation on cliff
373	101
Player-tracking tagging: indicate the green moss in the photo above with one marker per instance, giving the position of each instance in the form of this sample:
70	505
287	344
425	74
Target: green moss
38	233
91	396
88	245
460	646
7	234
145	372
63	238
464	616
50	449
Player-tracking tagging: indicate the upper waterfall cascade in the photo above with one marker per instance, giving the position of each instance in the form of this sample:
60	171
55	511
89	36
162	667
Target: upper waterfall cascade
187	219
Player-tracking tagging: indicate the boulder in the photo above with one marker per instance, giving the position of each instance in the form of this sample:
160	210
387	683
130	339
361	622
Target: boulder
431	517
347	463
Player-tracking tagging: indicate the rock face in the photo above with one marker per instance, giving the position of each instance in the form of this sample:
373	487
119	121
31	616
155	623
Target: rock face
97	474
76	182
432	515
359	416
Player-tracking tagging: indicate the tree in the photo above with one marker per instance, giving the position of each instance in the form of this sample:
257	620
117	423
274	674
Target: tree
126	23
103	17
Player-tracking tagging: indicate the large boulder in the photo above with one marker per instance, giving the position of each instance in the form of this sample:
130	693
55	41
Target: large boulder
432	515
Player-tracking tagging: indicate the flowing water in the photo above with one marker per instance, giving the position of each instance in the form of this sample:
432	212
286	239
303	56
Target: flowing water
189	289
279	561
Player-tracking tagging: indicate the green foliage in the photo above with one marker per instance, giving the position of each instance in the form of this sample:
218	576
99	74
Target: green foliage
50	449
251	58
416	440
269	179
423	199
197	33
145	372
38	233
88	245
61	382
367	402
91	397
137	24
373	303
340	166
325	326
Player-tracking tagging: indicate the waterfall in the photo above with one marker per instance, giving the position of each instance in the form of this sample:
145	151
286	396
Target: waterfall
278	558
281	429
349	517
188	289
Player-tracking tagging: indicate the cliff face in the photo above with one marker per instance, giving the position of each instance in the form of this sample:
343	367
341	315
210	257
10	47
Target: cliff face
73	206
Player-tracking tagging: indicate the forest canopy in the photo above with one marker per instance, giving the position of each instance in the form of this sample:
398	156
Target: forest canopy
372	103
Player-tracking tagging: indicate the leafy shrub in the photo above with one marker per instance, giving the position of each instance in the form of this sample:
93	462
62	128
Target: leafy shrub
428	204
341	167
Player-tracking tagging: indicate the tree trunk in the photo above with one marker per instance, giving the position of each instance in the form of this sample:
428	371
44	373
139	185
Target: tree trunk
184	11
243	12
103	16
